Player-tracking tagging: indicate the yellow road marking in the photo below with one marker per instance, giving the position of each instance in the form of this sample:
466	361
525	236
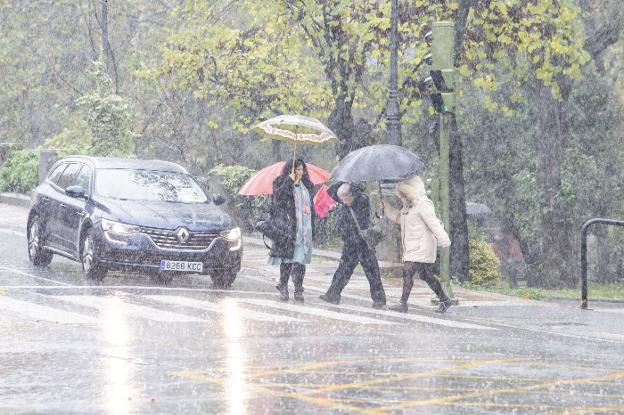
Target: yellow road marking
433	372
591	411
310	395
261	389
454	398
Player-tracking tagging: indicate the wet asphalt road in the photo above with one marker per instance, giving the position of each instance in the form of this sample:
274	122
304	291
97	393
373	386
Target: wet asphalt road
132	346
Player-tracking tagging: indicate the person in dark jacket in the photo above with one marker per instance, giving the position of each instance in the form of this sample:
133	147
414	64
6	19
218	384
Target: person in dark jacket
292	206
354	205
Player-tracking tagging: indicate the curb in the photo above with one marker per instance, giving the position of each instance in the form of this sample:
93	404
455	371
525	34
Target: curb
255	239
15	199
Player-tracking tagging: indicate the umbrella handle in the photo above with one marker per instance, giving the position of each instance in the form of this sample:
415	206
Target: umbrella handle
383	213
292	170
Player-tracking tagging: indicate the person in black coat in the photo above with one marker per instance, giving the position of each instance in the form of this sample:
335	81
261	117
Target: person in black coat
291	208
354	204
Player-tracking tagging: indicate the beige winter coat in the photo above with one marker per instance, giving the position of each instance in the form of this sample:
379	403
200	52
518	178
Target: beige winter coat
421	231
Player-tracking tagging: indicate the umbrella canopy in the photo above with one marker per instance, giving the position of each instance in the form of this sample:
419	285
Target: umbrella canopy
475	209
378	162
261	183
296	129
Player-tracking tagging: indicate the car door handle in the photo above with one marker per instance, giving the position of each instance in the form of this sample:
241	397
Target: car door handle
81	214
63	206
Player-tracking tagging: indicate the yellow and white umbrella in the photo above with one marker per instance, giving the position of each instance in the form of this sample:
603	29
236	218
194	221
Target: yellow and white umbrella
296	129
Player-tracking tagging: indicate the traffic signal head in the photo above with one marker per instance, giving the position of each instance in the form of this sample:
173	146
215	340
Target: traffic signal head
439	81
440	85
429	37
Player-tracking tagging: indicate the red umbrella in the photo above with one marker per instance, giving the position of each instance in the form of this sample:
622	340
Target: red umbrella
261	183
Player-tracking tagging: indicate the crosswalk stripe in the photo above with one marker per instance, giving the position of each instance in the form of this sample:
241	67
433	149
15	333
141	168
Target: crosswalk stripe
39	312
216	308
416	317
610	310
132	310
25	274
320	312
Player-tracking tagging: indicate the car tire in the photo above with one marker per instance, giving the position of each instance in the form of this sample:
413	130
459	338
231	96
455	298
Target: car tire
89	258
39	256
222	279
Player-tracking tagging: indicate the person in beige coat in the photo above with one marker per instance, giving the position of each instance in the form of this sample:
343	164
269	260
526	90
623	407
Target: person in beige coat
421	233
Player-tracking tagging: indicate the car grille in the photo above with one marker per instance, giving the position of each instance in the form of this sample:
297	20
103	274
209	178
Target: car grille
167	239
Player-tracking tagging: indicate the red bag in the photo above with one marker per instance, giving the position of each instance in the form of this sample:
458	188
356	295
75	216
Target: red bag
322	202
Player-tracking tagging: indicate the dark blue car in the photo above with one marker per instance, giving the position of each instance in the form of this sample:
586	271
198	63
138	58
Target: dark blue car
127	214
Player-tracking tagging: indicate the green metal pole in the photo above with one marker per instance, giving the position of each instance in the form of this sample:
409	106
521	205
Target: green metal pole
442	50
444	203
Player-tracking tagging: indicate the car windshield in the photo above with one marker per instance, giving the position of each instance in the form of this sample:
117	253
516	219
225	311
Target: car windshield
148	185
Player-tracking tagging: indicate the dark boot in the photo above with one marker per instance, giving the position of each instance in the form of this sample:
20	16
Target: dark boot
329	299
379	305
298	273
443	306
299	297
283	290
400	307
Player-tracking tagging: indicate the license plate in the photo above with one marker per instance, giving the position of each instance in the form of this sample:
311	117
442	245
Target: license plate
182	266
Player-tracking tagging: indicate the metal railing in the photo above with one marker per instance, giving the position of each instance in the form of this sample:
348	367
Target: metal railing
584	230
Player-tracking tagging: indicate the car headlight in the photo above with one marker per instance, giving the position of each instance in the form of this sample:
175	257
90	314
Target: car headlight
234	237
117	231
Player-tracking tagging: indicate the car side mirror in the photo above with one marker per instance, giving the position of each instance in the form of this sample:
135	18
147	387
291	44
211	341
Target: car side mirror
218	199
77	192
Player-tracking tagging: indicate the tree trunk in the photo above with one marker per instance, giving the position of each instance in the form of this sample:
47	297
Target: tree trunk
459	254
556	233
109	60
341	123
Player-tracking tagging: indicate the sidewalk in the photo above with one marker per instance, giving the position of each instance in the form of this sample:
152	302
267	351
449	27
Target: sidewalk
256	239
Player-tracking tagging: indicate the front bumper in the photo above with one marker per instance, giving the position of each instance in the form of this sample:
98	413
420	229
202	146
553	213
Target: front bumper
141	253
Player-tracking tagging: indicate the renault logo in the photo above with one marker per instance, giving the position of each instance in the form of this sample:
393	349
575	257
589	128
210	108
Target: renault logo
183	235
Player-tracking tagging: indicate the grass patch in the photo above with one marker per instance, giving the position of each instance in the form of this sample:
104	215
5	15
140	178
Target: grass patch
595	291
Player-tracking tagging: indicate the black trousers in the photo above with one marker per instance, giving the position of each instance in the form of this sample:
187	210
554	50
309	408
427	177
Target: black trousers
354	252
297	271
425	271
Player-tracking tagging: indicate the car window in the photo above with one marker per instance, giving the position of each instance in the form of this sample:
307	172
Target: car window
69	175
148	185
56	173
84	179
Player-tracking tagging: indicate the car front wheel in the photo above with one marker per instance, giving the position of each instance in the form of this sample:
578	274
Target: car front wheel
38	255
222	279
90	259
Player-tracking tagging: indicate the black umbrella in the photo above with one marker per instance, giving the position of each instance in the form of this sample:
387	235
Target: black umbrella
476	209
376	163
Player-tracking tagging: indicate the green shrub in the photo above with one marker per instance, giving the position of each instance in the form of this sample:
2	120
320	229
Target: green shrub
484	265
20	173
232	178
244	208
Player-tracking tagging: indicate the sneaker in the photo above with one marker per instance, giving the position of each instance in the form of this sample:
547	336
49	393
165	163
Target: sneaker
379	305
299	297
401	307
443	306
330	300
